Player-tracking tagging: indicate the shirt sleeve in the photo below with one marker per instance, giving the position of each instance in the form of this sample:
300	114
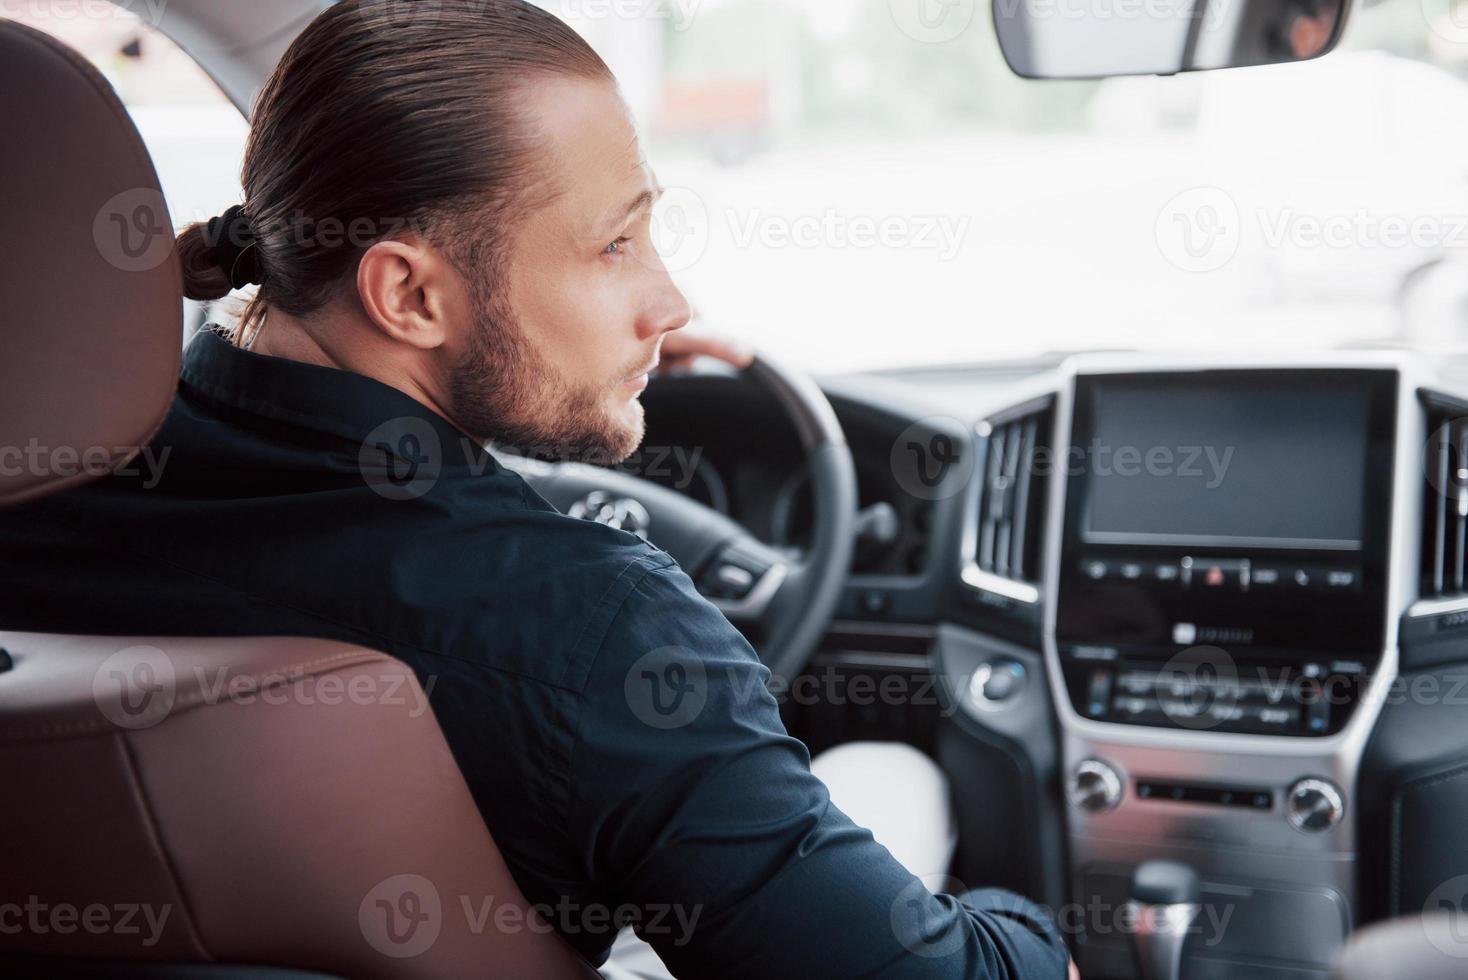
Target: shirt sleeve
699	811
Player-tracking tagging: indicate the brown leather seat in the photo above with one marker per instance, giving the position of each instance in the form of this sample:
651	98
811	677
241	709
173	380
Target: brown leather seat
278	801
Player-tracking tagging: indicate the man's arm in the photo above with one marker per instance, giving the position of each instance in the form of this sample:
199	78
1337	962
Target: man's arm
694	805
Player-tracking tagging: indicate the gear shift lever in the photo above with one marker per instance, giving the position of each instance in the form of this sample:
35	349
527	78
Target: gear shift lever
1165	900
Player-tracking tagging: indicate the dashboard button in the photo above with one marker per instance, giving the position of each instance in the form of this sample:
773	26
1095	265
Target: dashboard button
1082	651
1096	571
735	579
1098	693
1167	573
1269	719
1266	577
1317	716
1220	575
1005	679
1137	682
994	683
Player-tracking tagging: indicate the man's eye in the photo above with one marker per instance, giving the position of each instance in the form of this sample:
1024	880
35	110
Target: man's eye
614	248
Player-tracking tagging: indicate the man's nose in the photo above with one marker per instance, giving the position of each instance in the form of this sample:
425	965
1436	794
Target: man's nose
667	309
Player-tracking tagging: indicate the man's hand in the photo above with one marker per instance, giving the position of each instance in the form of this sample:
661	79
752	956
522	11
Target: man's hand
1075	974
682	347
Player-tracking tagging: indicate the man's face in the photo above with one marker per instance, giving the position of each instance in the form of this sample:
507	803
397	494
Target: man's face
558	361
1309	34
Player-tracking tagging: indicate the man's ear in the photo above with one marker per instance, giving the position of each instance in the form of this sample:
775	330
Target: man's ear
409	291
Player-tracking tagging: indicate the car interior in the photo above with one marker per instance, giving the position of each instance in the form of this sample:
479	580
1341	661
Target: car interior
1177	599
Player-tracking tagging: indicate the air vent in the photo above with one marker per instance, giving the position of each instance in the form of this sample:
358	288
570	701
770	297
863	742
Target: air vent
1445	499
1009	506
1435	627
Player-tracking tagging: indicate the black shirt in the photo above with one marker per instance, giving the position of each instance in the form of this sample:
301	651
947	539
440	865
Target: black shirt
615	730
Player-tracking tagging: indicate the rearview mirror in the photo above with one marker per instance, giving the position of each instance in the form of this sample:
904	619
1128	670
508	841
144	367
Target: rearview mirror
1097	38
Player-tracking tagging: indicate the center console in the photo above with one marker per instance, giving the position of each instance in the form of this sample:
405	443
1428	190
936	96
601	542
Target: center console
1224	567
1223	555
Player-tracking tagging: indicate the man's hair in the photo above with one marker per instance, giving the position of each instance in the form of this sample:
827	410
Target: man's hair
386	115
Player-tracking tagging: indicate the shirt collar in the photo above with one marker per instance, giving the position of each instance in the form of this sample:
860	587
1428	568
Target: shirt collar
324	399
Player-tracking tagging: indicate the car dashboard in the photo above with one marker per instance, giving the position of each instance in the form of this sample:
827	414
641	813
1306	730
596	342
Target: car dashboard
1167	604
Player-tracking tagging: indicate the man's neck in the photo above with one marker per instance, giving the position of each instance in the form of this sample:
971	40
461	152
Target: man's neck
285	336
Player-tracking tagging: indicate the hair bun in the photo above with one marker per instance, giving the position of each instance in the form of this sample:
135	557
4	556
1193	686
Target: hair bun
235	253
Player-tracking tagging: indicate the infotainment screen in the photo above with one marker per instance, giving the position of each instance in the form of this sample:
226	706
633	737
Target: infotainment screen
1191	462
1245	508
1234	521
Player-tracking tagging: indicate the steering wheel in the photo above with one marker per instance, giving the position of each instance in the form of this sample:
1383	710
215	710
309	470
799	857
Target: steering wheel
782	604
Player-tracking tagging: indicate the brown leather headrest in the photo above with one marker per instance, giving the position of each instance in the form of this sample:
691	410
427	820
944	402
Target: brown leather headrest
91	304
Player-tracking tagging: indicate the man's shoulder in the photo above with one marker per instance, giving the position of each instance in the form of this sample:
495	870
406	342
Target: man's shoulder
578	596
532	590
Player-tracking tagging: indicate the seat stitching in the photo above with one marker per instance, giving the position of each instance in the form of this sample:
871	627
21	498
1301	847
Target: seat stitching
145	807
265	680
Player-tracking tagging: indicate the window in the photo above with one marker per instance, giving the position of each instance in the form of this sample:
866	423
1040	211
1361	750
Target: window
864	183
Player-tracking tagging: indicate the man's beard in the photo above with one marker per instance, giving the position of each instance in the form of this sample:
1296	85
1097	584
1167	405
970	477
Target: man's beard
504	391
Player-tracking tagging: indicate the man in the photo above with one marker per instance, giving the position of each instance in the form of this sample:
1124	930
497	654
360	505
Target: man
447	211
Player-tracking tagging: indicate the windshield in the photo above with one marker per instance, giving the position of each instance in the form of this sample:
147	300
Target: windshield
865	184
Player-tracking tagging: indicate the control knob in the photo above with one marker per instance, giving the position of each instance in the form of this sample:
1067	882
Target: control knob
1314	805
1094	787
